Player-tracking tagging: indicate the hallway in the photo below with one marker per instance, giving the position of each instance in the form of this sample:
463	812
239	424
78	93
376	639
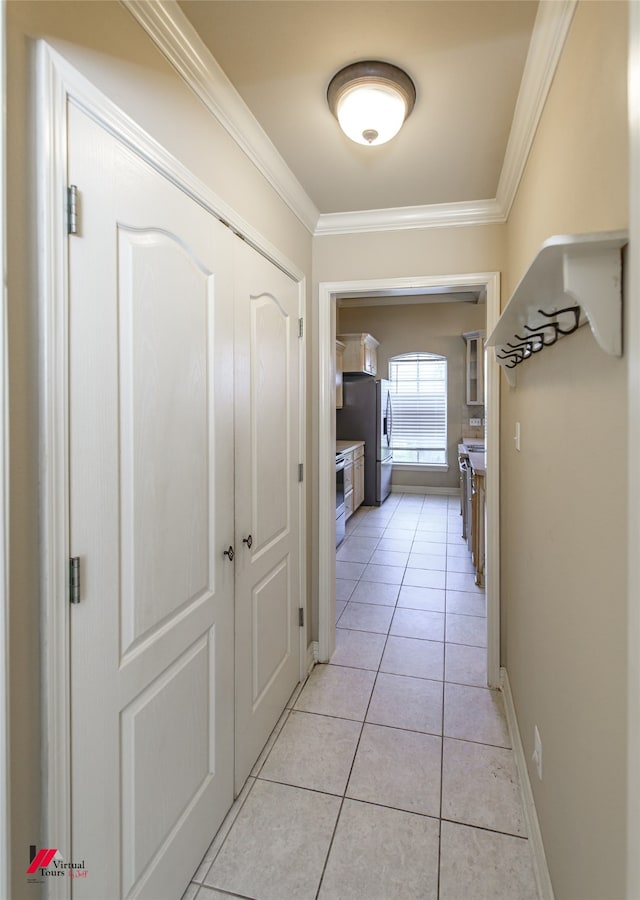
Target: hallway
390	774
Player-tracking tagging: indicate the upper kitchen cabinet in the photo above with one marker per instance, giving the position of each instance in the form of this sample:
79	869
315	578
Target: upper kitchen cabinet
475	367
360	353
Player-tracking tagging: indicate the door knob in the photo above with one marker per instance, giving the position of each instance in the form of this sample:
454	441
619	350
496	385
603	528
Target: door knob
229	553
248	541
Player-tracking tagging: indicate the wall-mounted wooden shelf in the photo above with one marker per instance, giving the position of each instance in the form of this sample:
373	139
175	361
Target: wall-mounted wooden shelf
574	279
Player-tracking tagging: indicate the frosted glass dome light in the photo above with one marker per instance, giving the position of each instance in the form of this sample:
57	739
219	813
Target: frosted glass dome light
371	101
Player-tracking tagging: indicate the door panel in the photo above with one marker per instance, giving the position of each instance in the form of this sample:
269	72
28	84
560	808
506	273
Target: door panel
151	509
271	614
165	355
183	768
270	363
267	456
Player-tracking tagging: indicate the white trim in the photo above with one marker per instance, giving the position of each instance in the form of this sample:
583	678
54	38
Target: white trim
423	489
311	656
326	471
5	754
53	293
59	83
550	31
436	215
492	489
632	353
305	630
540	867
415	467
327	293
180	44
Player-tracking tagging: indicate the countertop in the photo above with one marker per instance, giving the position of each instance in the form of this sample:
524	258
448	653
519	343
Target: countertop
477	459
478	462
347	446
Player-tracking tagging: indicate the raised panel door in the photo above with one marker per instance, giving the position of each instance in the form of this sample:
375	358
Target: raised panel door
267	357
151	509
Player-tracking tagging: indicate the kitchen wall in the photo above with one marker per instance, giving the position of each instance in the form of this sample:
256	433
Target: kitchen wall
106	44
563	495
430	328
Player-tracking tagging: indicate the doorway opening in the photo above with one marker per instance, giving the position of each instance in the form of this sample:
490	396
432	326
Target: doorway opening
329	292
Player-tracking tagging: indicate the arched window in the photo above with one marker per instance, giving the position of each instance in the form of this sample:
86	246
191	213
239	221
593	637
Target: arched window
419	398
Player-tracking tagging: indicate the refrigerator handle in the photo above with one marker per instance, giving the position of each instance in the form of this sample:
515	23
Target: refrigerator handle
389	420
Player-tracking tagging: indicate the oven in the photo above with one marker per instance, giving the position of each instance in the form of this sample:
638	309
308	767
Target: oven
340	520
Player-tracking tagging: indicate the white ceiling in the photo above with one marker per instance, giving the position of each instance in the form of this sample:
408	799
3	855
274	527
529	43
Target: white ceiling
466	57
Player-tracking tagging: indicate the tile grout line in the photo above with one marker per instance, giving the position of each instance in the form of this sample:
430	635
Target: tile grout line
444	675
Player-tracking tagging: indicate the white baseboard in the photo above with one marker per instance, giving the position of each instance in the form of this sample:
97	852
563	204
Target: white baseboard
424	489
540	867
312	655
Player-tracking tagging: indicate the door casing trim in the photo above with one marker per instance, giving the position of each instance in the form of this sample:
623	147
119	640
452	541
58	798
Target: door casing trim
327	294
5	773
59	84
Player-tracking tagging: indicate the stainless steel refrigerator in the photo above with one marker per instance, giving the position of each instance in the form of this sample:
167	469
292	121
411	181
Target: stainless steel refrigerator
366	415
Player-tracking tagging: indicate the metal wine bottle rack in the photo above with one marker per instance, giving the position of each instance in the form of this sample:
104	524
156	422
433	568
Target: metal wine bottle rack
573	280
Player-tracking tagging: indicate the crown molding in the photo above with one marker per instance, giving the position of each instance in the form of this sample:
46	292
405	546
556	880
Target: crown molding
437	215
550	31
180	44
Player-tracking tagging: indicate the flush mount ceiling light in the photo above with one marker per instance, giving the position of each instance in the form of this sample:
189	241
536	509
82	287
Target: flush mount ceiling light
371	100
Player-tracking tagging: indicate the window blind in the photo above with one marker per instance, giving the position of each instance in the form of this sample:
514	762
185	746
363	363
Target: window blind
419	398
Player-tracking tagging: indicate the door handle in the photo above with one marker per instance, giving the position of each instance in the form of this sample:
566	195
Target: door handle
248	541
229	553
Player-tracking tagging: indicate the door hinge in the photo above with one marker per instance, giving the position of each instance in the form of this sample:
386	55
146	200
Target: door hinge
72	209
301	617
74	579
300	327
300	471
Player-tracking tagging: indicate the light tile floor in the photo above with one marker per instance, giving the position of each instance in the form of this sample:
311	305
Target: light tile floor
390	775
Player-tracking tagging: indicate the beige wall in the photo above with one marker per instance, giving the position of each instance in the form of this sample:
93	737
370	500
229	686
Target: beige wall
564	494
397	254
429	328
104	42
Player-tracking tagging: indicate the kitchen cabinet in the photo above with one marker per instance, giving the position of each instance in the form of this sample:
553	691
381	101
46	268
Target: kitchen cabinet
473	472
360	353
478	524
475	367
339	370
353	452
358	477
348	485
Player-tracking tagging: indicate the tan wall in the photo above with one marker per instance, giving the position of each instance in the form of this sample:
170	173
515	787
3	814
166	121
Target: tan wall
429	328
104	42
396	254
564	494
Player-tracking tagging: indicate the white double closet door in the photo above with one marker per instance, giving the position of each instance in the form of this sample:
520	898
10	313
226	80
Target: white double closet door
183	378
